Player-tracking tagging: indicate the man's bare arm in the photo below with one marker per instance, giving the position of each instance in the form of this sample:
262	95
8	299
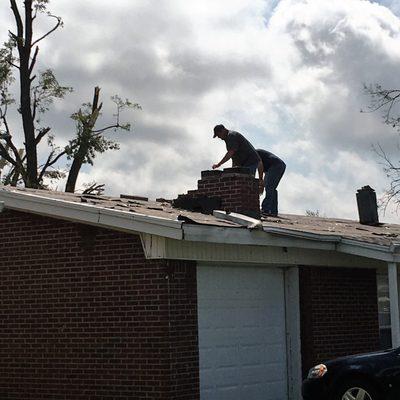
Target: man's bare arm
227	157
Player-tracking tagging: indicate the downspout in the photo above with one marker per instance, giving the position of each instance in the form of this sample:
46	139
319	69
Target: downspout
394	296
394	304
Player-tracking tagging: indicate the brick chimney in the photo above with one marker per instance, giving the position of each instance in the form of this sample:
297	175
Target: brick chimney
231	190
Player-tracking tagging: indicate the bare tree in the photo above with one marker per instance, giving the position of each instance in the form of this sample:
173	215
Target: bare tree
387	101
392	171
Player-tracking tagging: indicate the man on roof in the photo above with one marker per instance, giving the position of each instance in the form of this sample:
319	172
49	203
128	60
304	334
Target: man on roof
274	168
241	151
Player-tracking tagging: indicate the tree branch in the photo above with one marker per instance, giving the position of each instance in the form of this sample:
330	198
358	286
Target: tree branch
382	98
28	27
6	156
13	35
56	26
14	65
35	15
98	189
42	133
34	103
10	62
9	141
33	60
20	28
97	132
19	165
50	162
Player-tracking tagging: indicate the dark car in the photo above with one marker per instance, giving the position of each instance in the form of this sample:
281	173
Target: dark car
371	376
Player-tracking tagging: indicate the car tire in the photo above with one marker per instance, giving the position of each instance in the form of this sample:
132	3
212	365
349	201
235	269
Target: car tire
357	389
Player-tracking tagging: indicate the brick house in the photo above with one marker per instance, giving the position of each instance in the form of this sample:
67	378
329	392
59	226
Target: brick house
125	298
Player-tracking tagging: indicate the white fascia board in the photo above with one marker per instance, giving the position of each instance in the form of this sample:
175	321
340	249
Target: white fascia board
141	223
302	235
240	236
369	250
348	246
90	214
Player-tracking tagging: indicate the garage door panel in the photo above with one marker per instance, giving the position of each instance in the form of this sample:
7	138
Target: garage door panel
241	333
227	357
274	353
228	393
252	392
252	355
252	314
273	334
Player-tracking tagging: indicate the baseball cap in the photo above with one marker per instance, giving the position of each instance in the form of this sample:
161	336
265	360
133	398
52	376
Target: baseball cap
217	129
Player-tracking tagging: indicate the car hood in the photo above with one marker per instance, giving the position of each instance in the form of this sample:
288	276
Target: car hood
360	357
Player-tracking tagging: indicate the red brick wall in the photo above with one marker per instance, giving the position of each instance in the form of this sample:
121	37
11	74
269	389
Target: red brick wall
183	337
84	316
339	313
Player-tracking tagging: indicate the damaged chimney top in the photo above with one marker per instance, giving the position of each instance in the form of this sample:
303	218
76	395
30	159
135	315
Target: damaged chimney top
231	190
367	206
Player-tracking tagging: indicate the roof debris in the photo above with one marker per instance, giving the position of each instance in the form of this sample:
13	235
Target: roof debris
133	197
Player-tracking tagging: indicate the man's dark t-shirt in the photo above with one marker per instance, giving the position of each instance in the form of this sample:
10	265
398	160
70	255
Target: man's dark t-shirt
245	154
269	159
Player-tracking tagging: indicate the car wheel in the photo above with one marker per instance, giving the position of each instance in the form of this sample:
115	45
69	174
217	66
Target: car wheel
357	390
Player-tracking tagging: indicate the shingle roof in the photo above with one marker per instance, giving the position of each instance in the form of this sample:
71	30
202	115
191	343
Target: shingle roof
328	228
161	209
384	234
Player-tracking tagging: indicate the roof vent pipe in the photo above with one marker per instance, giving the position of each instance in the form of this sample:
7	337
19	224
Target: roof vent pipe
367	206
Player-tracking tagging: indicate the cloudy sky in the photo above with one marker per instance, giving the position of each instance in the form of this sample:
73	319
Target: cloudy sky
287	74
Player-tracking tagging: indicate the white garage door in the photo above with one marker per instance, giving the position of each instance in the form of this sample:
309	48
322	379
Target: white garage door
242	340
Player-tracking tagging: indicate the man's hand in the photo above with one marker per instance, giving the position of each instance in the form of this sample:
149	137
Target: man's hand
227	157
260	186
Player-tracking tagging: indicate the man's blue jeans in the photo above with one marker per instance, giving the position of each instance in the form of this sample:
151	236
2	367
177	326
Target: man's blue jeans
271	180
252	168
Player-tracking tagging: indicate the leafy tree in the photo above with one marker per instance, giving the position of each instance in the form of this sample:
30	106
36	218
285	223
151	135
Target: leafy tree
89	141
37	92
